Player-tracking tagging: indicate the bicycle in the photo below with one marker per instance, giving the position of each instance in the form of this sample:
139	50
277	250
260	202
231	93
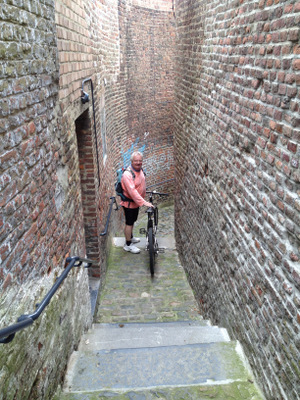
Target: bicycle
152	244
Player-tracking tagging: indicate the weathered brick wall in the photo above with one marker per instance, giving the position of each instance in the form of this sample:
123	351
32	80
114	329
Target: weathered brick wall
147	75
77	55
237	175
47	52
38	224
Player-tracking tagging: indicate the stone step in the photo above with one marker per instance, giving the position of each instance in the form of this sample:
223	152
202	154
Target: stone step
137	335
236	390
114	359
167	243
143	368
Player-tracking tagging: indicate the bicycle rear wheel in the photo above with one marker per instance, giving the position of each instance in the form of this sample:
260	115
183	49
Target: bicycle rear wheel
151	244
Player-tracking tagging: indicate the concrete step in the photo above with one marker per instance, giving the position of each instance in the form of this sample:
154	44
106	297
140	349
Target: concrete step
167	243
124	369
137	335
231	391
142	361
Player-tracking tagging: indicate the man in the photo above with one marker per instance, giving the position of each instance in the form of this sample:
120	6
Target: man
134	187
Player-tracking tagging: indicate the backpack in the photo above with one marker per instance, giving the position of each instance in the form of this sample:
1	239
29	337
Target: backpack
118	186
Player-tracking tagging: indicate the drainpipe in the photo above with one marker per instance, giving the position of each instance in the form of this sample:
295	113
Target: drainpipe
85	99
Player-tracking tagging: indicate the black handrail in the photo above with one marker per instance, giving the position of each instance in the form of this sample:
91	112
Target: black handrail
113	200
160	183
7	334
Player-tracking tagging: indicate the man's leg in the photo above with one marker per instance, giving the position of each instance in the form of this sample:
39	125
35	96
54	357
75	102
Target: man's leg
128	232
130	218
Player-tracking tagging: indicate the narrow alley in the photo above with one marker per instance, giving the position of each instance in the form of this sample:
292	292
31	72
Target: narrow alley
209	93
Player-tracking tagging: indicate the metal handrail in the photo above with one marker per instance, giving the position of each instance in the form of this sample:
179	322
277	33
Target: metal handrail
113	200
7	334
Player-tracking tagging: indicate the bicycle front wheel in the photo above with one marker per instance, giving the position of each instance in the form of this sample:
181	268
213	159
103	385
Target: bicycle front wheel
151	249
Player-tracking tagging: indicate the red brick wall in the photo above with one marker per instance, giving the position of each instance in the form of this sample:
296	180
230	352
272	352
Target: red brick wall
76	53
76	47
147	73
87	170
237	175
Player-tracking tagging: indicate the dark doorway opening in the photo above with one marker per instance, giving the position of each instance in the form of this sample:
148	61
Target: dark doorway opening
88	188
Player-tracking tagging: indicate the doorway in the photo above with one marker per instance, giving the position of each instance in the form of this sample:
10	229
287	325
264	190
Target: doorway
87	170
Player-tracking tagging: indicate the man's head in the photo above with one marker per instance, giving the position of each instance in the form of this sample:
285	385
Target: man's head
136	160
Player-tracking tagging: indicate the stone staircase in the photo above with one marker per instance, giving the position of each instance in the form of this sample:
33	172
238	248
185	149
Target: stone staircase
166	360
149	340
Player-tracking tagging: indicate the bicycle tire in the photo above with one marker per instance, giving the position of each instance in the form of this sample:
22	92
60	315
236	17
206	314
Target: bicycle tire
151	250
156	216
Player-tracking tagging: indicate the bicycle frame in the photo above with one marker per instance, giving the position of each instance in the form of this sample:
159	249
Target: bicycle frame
152	214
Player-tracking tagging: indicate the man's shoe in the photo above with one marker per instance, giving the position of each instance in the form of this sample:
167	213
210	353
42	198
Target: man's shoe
132	248
135	240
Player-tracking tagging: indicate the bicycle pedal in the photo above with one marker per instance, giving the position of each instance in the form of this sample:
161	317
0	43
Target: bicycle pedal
161	250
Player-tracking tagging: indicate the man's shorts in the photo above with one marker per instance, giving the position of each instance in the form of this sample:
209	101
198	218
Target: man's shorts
131	215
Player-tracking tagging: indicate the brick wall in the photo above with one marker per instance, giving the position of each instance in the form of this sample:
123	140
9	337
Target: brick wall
237	175
38	226
147	68
76	54
58	158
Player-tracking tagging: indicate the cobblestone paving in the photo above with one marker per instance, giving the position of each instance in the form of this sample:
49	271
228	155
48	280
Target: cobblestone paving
130	295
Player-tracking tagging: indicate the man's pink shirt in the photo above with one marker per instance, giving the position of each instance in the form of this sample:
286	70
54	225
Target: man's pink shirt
134	189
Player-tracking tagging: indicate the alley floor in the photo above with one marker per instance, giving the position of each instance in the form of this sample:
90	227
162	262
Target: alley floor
149	340
130	295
